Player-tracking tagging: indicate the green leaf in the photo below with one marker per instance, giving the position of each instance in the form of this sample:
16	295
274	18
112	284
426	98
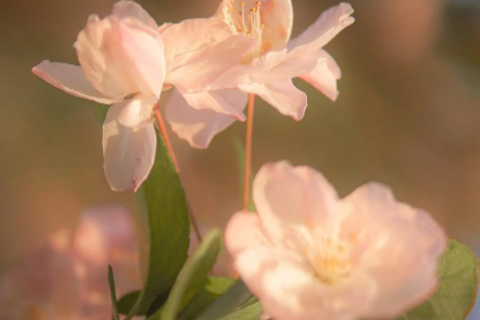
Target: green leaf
126	303
213	288
113	295
192	277
458	287
165	223
240	151
235	296
252	312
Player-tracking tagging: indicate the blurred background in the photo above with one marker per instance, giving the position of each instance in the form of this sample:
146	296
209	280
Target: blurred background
408	115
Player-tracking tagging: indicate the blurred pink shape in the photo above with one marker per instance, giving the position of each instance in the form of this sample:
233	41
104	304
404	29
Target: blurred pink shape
66	277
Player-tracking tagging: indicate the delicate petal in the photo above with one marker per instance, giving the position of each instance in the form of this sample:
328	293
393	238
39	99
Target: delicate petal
276	16
191	35
128	153
273	66
70	79
283	96
409	237
124	9
323	79
327	26
194	71
279	190
198	127
289	290
137	111
230	102
121	57
243	232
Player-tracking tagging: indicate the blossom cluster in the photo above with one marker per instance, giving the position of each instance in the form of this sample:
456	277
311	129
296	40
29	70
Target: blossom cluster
305	253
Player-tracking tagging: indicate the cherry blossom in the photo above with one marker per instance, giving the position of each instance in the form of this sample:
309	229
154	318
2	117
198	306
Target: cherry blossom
125	62
65	277
309	255
266	70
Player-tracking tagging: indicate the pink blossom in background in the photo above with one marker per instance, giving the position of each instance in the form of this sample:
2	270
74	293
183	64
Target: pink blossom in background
65	278
308	255
266	71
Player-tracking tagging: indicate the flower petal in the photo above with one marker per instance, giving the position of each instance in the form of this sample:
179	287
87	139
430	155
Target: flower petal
324	76
70	79
121	57
293	199
281	95
198	127
289	290
194	71
410	238
128	153
274	66
243	232
327	26
191	35
136	112
230	102
124	9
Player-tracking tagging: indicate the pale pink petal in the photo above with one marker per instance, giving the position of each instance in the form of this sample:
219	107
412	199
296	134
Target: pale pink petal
191	35
70	79
124	9
293	200
276	16
327	26
137	111
288	289
283	96
128	153
230	102
194	71
243	232
198	127
323	79
397	245
121	57
273	66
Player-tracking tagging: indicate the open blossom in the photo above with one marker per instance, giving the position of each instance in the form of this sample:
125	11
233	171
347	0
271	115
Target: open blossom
266	70
124	61
65	278
310	255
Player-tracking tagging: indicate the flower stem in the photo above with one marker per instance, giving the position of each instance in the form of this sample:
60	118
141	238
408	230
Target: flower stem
248	151
163	131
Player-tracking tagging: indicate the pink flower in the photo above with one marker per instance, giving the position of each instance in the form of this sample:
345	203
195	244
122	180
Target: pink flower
125	62
265	71
66	277
310	255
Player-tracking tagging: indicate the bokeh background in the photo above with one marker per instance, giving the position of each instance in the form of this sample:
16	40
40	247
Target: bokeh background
408	115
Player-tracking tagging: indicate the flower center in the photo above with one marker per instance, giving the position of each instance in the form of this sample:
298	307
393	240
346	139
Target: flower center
331	259
247	23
